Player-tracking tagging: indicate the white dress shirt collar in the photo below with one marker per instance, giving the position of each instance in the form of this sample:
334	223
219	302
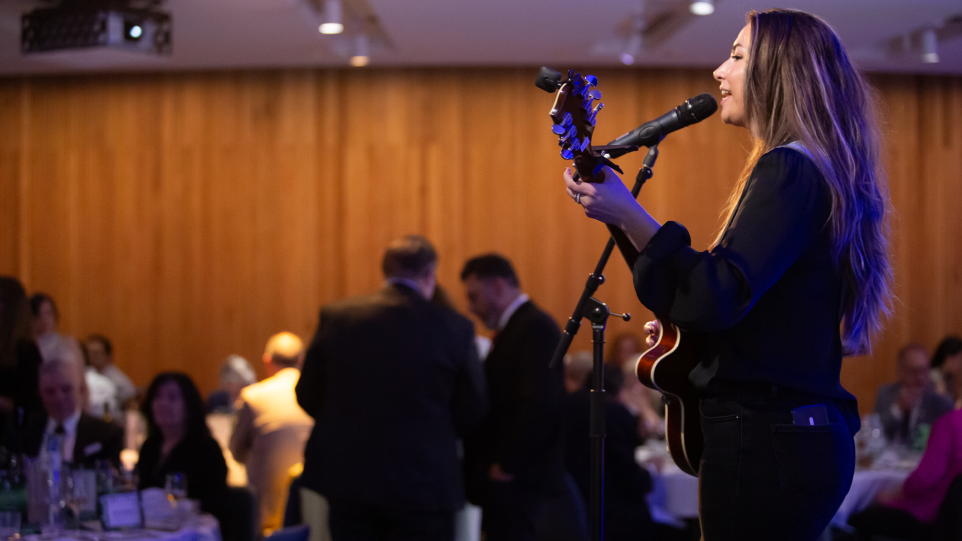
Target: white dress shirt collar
69	433
510	310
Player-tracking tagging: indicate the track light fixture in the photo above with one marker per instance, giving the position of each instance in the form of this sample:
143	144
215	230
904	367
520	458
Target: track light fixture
702	7
361	55
632	47
333	19
930	46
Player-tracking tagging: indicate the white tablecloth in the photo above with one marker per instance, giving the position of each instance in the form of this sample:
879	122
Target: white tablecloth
201	528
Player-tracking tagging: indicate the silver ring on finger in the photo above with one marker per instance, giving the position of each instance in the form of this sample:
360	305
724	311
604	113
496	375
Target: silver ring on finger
578	198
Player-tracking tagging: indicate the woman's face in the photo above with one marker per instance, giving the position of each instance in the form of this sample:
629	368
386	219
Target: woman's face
953	364
731	75
45	321
168	406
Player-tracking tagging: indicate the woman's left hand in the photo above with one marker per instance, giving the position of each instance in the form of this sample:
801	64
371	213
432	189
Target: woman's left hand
610	201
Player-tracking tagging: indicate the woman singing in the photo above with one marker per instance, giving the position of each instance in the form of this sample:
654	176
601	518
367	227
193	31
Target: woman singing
798	276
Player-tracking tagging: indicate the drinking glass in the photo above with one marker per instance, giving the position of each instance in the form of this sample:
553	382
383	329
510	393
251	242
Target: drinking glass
176	485
79	491
9	525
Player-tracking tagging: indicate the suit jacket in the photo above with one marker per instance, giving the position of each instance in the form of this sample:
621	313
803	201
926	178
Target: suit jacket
96	439
932	407
523	431
626	483
392	382
269	438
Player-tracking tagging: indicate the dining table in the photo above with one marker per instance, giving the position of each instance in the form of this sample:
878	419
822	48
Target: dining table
203	527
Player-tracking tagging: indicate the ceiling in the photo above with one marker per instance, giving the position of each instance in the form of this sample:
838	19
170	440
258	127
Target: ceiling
231	34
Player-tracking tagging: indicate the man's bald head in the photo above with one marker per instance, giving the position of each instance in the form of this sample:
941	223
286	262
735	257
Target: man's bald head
283	350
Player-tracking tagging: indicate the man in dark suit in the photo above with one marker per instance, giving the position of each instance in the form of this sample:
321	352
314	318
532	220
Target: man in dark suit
86	439
515	462
392	381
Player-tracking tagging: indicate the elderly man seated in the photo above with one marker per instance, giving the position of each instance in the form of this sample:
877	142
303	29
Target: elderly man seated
86	439
910	403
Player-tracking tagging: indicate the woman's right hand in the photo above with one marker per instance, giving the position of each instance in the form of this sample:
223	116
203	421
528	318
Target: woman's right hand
653	328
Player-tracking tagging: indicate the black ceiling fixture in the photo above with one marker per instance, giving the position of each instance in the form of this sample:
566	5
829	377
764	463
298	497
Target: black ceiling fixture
135	25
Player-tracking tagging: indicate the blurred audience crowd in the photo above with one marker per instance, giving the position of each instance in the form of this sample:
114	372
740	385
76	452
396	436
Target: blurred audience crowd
398	412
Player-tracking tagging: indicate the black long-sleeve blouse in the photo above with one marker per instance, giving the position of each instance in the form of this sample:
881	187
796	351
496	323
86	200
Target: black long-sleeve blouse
199	457
769	295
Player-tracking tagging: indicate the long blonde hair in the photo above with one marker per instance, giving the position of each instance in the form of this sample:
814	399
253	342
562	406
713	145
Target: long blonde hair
800	86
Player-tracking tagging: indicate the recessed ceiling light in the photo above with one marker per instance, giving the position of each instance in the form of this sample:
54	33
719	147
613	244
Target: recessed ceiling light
702	7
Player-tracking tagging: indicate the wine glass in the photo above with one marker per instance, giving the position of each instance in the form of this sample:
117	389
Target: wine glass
176	486
78	493
9	525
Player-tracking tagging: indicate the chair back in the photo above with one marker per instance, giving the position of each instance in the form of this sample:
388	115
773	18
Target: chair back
242	522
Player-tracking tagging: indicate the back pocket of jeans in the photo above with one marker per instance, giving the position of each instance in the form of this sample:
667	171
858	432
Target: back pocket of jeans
811	459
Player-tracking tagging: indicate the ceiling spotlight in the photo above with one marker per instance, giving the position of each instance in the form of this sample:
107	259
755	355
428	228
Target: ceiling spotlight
332	18
930	47
361	56
631	50
702	7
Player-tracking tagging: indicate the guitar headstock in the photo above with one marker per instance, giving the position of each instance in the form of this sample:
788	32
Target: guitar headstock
574	115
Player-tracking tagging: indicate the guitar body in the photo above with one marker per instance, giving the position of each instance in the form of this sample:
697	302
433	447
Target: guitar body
665	367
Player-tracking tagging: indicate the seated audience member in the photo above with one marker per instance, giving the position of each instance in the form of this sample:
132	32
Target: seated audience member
947	369
641	401
626	483
101	396
52	344
272	428
235	374
911	402
86	439
19	357
910	511
577	367
178	441
100	354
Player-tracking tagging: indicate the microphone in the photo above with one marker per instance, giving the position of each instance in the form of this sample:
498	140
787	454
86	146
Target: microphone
651	133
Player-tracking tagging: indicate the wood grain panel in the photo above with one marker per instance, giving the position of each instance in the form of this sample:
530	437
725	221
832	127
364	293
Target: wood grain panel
189	216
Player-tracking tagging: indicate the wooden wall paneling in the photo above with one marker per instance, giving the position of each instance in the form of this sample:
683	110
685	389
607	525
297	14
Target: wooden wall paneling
11	115
188	216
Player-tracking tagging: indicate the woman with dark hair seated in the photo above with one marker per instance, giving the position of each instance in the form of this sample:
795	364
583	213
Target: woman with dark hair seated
911	511
178	441
947	368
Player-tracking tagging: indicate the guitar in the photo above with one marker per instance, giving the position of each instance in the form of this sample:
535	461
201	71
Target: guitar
666	365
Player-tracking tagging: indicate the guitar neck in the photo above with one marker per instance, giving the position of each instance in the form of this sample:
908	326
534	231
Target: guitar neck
588	168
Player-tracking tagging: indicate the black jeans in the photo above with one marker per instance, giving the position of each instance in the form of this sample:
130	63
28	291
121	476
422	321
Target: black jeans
764	478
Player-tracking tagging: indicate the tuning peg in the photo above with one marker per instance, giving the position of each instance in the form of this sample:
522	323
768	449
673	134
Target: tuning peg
558	129
566	119
597	108
592	80
595	94
567	154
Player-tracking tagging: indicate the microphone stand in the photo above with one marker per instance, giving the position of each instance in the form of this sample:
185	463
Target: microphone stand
597	313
